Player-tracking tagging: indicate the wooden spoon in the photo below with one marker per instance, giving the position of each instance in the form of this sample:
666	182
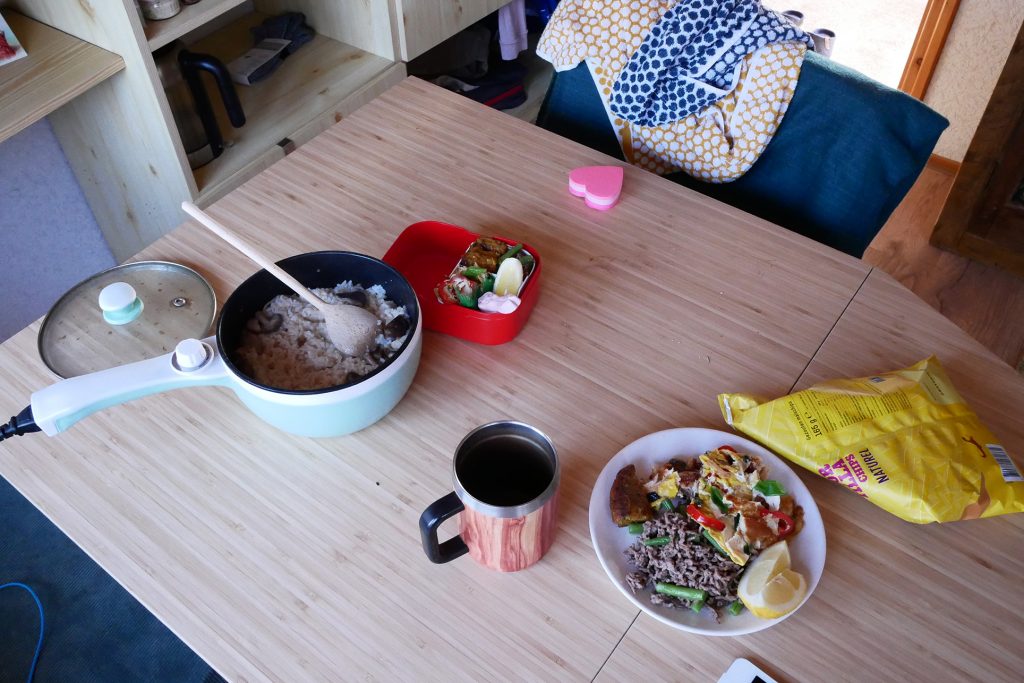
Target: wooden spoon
350	328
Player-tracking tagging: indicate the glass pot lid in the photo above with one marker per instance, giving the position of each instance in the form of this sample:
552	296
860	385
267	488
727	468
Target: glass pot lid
171	302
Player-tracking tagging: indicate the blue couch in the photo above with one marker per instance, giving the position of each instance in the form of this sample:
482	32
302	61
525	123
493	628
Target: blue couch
845	154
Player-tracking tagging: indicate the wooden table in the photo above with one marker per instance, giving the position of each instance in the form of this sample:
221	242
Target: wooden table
290	559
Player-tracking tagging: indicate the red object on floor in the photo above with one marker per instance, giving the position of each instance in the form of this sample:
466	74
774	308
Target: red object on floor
426	252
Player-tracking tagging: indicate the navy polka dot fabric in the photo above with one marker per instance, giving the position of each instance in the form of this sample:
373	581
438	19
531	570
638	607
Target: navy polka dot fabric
691	58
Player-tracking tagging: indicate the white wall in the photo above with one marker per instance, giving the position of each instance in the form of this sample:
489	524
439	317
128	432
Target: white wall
978	44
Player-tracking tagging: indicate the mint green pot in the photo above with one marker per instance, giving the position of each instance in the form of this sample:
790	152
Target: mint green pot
333	411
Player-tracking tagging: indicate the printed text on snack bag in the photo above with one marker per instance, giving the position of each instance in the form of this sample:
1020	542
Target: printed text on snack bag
849	471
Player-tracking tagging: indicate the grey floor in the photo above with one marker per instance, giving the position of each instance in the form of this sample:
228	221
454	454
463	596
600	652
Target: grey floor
48	238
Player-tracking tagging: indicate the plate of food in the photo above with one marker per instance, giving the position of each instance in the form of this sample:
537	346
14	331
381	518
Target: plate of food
707	531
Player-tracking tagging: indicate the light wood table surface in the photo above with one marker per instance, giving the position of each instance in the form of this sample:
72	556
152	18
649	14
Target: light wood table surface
290	559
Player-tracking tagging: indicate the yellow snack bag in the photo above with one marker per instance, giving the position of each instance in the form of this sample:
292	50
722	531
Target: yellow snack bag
905	440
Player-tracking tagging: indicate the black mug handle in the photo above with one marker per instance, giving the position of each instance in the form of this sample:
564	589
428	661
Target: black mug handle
431	519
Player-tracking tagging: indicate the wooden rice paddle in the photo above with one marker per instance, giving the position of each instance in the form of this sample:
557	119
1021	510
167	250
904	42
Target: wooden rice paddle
350	328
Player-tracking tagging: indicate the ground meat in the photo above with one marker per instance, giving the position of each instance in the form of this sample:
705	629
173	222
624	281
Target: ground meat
687	560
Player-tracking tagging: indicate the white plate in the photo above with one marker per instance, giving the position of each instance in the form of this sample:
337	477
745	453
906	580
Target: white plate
807	549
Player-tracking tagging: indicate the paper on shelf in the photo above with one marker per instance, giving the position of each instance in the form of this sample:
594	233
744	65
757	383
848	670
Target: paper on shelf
10	48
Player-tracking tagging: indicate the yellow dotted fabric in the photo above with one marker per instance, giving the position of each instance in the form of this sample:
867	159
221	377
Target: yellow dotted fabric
718	144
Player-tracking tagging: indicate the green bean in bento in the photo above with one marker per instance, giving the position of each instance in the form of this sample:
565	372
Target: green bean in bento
681	592
735	608
636	528
697	606
510	253
656	541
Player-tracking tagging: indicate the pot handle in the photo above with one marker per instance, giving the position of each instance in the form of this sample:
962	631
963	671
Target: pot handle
61	405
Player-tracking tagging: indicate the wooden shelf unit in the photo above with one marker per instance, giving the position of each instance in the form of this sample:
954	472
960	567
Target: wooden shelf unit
123	143
299	99
121	139
191	17
58	68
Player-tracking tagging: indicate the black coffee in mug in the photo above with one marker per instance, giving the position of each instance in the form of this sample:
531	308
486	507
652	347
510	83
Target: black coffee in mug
505	469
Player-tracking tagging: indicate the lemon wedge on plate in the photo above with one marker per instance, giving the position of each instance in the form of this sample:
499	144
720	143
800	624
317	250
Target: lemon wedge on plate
768	587
509	278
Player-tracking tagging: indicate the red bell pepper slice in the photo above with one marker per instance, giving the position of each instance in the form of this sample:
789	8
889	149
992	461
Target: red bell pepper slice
727	448
704	520
786	523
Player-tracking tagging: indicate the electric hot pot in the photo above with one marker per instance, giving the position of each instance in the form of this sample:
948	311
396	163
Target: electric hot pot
332	411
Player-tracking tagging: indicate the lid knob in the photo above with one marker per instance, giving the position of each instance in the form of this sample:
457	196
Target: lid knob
119	303
190	354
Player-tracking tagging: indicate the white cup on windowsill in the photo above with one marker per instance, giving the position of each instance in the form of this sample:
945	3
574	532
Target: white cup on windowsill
824	41
794	17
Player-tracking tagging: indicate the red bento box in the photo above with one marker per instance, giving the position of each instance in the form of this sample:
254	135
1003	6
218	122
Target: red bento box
425	254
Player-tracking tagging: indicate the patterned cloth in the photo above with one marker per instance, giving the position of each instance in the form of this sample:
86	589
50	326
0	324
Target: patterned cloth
718	144
691	58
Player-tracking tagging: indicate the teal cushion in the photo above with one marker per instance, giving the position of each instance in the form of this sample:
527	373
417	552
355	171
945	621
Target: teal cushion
844	156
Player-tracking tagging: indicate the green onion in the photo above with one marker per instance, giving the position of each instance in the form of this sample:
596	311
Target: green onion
769	487
474	272
735	608
718	499
636	528
681	592
511	252
713	542
697	606
666	505
657	541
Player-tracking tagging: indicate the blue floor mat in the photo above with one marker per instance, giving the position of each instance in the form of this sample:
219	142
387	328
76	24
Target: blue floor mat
95	631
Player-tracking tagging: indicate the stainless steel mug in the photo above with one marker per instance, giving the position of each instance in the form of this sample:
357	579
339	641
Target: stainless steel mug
506	484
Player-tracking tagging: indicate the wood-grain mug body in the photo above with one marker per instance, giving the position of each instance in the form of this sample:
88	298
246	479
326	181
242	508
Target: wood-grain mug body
504	537
505	544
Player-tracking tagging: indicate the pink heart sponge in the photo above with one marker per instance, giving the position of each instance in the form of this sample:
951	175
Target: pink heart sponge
600	186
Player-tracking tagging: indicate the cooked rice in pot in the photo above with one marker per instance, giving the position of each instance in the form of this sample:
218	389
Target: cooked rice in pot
285	345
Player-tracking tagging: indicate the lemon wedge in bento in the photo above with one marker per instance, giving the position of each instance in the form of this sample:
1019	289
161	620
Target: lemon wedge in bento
768	587
509	277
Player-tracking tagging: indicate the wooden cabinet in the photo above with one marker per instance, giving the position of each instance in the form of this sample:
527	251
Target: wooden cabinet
425	23
983	218
120	137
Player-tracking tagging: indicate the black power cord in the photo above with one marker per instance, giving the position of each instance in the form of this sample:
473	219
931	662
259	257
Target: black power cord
22	423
